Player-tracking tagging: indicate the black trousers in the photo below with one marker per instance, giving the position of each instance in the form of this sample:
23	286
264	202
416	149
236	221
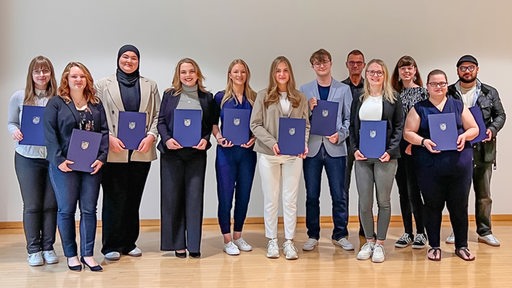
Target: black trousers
182	174
445	178
123	185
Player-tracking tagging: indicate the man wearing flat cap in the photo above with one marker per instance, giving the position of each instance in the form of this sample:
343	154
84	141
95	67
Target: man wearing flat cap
472	92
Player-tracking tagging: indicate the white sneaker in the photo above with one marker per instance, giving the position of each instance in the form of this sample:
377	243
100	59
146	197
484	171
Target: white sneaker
113	256
35	259
272	248
366	251
344	243
289	250
231	249
50	257
242	245
489	240
378	254
450	239
136	252
310	244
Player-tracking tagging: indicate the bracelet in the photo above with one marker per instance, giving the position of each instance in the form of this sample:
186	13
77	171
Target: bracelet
423	142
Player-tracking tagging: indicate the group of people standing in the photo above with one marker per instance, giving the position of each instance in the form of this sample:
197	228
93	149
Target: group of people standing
51	189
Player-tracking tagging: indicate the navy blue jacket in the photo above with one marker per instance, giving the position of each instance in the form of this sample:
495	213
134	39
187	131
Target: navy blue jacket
59	120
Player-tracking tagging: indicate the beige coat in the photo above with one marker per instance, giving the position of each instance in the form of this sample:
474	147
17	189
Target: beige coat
265	122
107	90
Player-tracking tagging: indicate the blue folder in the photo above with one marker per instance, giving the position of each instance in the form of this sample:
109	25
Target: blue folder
235	127
292	136
187	127
131	128
32	125
323	118
443	131
372	138
83	149
479	118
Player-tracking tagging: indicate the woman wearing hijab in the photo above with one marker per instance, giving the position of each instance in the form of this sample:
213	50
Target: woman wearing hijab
127	170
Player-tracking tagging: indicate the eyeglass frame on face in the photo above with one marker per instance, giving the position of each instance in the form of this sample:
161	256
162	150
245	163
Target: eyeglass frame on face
43	71
354	63
469	68
437	84
378	73
320	63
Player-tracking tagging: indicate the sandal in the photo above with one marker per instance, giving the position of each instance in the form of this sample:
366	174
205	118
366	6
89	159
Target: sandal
464	254
434	254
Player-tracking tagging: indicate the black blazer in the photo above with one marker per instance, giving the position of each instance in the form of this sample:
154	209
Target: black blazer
392	113
166	117
60	119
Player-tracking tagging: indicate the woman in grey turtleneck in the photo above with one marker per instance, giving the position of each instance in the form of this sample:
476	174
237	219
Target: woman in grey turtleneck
182	169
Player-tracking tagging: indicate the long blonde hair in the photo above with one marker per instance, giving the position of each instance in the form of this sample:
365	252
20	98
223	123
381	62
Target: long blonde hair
177	86
249	93
89	91
39	62
272	92
387	90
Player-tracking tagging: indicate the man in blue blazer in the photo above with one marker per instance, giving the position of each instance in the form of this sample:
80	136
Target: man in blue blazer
329	152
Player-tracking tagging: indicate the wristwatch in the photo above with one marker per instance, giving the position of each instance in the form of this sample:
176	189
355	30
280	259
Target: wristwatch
423	142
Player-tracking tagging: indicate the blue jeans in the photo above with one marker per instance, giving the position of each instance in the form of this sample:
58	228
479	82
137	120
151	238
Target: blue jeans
335	169
39	205
72	188
234	167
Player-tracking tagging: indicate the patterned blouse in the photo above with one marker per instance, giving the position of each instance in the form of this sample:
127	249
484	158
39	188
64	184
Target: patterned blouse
411	96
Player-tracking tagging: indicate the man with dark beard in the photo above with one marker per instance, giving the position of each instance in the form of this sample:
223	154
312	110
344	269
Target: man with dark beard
472	92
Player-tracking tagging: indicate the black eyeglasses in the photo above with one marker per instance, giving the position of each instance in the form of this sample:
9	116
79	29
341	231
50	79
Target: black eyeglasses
375	73
354	63
437	84
470	68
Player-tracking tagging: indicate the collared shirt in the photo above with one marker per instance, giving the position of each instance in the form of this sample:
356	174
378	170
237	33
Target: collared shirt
357	91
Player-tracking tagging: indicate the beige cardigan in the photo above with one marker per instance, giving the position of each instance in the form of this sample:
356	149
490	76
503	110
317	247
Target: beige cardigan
107	90
265	122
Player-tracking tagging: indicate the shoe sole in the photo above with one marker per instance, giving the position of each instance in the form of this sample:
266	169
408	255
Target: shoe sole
488	243
418	246
401	245
135	255
272	256
232	254
52	262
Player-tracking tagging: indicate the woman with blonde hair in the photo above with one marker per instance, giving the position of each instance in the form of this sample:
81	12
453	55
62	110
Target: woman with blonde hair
235	164
182	169
280	99
378	103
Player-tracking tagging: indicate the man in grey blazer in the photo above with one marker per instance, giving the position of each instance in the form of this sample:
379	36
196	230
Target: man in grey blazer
329	152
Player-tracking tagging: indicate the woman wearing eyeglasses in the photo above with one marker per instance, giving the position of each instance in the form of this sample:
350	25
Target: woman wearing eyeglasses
39	205
445	176
378	102
406	80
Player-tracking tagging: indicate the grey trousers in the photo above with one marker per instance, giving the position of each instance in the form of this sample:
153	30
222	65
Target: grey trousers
369	174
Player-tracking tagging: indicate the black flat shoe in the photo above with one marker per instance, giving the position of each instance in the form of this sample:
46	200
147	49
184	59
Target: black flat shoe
96	268
76	268
180	254
194	254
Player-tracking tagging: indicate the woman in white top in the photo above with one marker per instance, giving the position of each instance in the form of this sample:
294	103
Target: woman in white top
378	102
280	99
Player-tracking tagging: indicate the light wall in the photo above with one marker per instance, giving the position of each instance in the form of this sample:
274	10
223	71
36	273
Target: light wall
436	33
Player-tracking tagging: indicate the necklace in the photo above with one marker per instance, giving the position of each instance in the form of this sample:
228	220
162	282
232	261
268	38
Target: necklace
80	103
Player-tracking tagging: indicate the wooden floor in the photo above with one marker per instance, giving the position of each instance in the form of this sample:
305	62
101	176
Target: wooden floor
327	266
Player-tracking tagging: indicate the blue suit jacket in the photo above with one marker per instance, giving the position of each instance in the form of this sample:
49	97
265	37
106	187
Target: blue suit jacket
59	120
340	93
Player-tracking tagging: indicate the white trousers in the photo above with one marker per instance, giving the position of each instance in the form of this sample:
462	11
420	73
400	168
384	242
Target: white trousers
280	173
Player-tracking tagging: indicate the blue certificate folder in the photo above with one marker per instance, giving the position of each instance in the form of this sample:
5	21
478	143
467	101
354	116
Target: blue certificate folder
479	118
83	149
131	128
443	131
292	136
323	118
372	138
187	127
32	125
235	127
